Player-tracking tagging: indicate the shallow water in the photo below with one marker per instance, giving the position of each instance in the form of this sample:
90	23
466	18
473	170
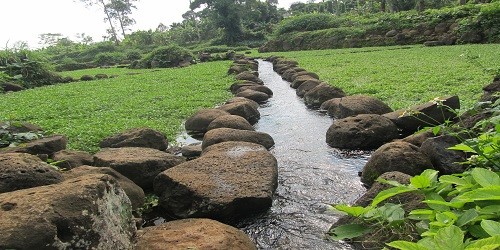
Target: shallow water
311	174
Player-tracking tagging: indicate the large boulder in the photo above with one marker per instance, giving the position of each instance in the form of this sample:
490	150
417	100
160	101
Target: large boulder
357	104
301	80
243	109
306	86
45	146
249	76
191	151
136	137
222	184
88	212
68	159
239	84
134	192
8	86
141	165
256	96
293	77
491	91
198	123
252	103
428	114
230	121
228	134
321	93
365	131
260	88
21	171
395	156
445	160
192	234
418	138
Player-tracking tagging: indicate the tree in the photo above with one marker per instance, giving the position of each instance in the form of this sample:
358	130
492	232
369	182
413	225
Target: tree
49	39
227	15
115	11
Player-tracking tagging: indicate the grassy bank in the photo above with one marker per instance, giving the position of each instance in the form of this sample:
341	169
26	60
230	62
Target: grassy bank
87	112
404	76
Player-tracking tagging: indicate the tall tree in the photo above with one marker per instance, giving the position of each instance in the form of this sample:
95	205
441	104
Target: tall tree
227	15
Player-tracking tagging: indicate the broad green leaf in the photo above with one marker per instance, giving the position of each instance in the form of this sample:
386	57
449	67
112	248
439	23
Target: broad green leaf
485	177
436	206
389	182
420	182
493	209
349	231
449	238
466	217
406	245
490	243
422	211
355	211
462	147
485	193
478	232
428	243
436	130
491	227
455	204
393	213
454	180
388	193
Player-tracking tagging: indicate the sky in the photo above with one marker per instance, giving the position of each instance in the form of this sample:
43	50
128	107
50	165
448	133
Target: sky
25	20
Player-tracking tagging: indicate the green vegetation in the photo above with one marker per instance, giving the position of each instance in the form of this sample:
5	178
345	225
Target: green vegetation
404	76
87	112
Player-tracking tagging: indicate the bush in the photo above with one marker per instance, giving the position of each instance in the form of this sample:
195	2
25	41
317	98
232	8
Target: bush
166	57
109	59
133	55
69	64
307	22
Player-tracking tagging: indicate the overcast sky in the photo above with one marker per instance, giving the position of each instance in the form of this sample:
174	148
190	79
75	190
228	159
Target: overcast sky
24	20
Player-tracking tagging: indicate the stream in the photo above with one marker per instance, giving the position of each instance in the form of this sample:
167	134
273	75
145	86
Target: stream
311	175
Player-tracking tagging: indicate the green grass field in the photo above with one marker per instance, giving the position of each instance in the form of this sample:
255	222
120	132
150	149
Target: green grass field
404	76
87	112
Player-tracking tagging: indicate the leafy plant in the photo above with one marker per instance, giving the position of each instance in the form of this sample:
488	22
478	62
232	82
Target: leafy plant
463	211
8	138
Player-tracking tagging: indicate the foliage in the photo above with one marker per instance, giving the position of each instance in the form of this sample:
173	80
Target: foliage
28	69
150	202
462	210
166	57
307	22
403	76
109	59
9	138
89	112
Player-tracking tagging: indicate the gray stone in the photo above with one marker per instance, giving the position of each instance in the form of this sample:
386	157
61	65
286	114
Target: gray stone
227	134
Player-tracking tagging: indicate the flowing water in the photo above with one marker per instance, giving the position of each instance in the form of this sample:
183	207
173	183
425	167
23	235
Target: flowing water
311	174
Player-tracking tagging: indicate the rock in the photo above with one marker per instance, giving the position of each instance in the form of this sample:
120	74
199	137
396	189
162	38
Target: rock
356	105
243	109
424	115
471	36
191	151
303	73
256	96
433	43
101	76
141	165
198	123
491	92
134	192
418	138
88	212
302	79
235	147
391	33
47	145
395	156
248	76
230	121
365	131
86	78
19	127
252	103
223	185
321	93
227	134
445	160
21	171
8	86
306	86
69	159
136	137
206	57
327	104
259	88
192	234
236	86
441	28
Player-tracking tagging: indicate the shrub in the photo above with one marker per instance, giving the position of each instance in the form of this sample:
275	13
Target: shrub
68	64
108	58
166	57
307	22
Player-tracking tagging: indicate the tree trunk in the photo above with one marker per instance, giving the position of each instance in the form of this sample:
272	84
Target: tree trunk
120	18
113	30
382	5
463	2
421	5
